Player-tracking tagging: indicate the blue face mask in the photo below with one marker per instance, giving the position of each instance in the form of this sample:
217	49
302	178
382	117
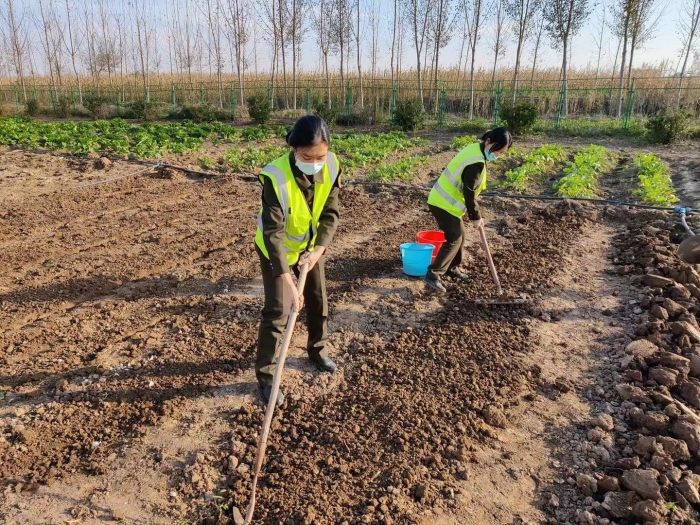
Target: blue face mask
490	156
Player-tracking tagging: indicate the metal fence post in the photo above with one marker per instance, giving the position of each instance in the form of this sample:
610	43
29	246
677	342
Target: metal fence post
269	96
560	105
348	102
118	100
172	96
308	97
201	93
630	104
232	102
53	99
148	95
72	98
443	103
392	109
497	105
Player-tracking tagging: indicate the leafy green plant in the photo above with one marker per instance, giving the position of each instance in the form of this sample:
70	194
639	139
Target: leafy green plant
259	108
581	175
32	107
206	163
666	128
519	118
262	133
459	143
655	185
403	169
541	161
251	159
409	114
96	105
363	149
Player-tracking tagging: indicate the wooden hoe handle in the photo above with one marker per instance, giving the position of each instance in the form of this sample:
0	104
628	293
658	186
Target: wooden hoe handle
276	380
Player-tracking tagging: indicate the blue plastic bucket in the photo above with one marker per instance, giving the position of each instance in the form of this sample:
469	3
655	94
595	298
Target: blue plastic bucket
416	258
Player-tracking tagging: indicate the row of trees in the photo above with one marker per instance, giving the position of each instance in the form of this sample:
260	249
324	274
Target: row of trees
107	40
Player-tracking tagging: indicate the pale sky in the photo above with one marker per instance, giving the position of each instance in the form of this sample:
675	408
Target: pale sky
665	44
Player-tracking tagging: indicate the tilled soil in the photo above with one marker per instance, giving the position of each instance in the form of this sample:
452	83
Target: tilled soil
127	305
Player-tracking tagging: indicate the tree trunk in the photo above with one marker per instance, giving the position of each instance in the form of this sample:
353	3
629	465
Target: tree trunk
393	41
359	59
284	55
691	35
622	64
564	91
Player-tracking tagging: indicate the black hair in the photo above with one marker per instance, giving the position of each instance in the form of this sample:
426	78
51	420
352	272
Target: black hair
499	137
309	131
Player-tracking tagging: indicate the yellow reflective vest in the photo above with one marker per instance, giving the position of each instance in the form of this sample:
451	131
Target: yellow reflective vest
448	191
301	223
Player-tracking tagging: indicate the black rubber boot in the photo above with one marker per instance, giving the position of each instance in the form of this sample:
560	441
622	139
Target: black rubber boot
267	390
325	364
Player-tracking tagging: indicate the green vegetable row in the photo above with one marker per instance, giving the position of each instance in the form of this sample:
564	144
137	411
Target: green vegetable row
581	175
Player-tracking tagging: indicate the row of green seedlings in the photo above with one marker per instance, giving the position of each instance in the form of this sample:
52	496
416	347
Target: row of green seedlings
149	140
537	164
355	151
581	175
655	186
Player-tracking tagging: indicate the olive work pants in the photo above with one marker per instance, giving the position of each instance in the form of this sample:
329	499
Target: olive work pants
276	312
450	254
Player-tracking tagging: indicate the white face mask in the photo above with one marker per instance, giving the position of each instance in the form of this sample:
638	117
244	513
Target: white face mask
309	168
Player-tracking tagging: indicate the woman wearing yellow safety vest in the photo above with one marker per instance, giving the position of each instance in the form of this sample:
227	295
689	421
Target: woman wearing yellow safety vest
454	194
298	218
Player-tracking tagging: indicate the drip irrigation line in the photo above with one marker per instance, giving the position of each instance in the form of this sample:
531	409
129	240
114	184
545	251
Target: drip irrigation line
113	179
528	197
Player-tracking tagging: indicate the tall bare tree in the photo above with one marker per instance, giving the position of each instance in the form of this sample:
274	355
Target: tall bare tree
441	33
624	14
359	32
599	38
689	26
238	23
540	25
521	13
17	40
73	45
297	32
321	23
375	15
497	44
47	25
394	34
419	13
478	16
565	18
644	22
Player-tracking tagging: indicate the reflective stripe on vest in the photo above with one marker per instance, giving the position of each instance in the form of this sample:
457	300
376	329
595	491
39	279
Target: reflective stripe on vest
448	191
296	244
